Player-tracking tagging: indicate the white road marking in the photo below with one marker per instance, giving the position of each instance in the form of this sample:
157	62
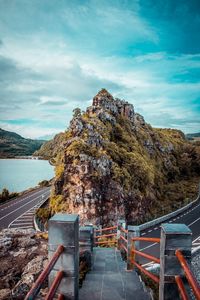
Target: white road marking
23	227
29	212
24	224
194	222
149	263
196	239
19	208
13	203
148	246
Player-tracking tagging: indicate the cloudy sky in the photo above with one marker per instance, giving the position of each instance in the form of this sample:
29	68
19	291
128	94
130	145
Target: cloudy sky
56	54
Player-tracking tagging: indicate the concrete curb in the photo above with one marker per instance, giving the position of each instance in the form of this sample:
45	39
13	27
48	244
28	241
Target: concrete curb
36	226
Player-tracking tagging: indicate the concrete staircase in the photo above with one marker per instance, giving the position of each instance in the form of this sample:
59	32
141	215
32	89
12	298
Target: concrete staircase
109	279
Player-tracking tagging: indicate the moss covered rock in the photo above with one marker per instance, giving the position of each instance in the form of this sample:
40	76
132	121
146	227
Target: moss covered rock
112	164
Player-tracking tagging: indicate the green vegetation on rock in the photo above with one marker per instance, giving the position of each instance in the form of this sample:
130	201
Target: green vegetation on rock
12	145
5	195
110	163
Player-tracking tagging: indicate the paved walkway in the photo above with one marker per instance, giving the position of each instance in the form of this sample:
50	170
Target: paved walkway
109	279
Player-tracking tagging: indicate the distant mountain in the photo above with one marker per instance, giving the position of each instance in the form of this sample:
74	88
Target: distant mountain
193	136
46	137
13	144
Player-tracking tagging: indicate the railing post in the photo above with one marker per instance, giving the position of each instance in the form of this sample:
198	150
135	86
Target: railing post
173	237
119	225
64	230
86	234
133	231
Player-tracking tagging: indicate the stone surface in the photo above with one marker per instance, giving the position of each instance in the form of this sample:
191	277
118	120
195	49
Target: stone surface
112	164
23	255
108	279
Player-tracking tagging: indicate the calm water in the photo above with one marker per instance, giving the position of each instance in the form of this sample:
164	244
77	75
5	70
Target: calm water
20	174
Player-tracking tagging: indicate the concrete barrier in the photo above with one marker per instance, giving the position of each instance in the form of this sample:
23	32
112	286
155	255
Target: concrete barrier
170	215
64	230
173	237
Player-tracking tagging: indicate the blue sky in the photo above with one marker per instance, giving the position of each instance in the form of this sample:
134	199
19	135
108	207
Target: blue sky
55	55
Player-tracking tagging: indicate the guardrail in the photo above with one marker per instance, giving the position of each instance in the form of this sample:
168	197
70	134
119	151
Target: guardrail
170	215
66	238
175	245
38	225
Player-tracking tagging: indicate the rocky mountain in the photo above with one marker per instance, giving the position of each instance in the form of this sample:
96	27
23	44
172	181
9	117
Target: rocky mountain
111	164
13	144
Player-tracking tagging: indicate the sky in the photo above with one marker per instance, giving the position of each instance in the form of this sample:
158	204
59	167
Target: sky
56	55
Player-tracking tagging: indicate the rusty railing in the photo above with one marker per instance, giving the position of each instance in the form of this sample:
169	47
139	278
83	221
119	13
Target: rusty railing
32	294
102	236
148	256
127	240
123	242
190	277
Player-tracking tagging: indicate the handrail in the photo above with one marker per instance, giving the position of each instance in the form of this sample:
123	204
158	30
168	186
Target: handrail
124	247
146	239
123	238
152	276
105	235
189	275
181	288
157	260
124	230
40	280
106	242
51	293
107	228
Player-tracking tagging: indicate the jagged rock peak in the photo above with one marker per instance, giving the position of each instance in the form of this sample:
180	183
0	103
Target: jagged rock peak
104	100
101	96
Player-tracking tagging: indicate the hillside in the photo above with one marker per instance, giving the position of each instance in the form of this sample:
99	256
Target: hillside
111	164
13	144
193	136
50	149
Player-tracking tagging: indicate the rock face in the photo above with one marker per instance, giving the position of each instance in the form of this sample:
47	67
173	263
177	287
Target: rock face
23	255
112	164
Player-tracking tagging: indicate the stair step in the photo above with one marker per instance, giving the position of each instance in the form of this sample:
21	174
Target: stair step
137	295
109	279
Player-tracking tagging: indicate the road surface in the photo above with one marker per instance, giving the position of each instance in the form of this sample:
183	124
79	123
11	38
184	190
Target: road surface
19	212
191	218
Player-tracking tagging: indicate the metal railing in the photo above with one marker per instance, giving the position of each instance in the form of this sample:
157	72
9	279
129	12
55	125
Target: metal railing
107	237
175	246
190	277
32	294
133	253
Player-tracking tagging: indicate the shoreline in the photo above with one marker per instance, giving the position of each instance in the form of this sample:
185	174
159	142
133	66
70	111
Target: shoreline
25	157
31	189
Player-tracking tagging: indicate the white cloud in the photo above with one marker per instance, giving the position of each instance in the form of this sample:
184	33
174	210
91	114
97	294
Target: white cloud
54	79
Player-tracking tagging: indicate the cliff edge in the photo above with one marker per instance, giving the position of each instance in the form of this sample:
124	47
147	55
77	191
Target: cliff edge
111	164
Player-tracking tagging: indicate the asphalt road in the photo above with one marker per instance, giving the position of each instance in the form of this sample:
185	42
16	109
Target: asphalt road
19	212
190	217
